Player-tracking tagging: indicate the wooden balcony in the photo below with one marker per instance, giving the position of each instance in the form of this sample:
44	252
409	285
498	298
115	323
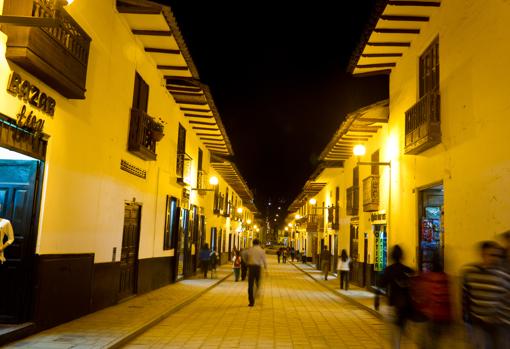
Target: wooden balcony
371	193
141	142
423	124
314	223
352	194
56	55
183	169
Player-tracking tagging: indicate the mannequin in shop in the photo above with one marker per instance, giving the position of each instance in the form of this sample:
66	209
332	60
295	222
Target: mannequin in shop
5	230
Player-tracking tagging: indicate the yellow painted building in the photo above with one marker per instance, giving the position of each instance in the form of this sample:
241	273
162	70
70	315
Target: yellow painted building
102	207
445	139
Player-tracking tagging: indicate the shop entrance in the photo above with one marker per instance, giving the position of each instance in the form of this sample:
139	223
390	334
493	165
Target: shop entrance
20	187
431	229
129	252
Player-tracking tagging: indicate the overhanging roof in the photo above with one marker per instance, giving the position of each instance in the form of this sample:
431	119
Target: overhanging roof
156	28
231	174
357	128
389	33
310	189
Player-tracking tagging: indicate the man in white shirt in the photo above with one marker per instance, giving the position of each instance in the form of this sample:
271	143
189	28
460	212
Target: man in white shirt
256	258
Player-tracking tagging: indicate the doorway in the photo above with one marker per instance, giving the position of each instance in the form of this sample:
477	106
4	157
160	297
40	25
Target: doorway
20	192
129	252
431	228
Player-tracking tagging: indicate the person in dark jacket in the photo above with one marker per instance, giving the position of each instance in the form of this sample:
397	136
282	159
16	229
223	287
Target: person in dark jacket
204	257
244	265
396	279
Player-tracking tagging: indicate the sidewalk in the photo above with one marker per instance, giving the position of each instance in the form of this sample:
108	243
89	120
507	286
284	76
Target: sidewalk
114	326
365	300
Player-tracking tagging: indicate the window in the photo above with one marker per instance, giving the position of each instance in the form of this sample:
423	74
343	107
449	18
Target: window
181	151
140	94
200	175
429	69
171	223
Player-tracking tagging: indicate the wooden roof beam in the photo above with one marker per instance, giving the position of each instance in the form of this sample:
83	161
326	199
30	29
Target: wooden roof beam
195	109
415	3
389	44
380	55
405	18
396	31
163	50
376	65
202	123
172	67
151	32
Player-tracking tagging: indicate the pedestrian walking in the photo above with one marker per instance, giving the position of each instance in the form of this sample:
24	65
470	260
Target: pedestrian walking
244	264
284	255
213	262
486	291
303	256
279	254
430	294
325	262
396	279
204	255
343	270
236	265
256	257
292	254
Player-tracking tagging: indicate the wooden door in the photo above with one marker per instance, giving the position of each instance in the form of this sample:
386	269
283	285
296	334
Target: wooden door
129	252
19	203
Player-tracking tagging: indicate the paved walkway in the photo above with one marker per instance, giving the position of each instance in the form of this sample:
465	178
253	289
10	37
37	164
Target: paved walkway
293	311
113	326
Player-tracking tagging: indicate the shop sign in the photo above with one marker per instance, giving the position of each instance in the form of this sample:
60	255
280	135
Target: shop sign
378	217
31	94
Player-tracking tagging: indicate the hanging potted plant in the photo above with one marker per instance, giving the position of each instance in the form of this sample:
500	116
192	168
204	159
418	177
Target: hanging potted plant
157	128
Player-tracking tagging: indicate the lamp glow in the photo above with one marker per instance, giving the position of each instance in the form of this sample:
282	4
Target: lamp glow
213	180
248	221
69	2
297	216
359	150
286	229
312	201
255	227
240	210
290	224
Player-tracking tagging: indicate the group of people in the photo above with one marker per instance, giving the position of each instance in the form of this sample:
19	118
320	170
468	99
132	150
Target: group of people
246	262
427	297
284	252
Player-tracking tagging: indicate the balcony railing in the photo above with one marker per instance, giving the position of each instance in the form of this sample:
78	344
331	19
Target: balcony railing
423	124
183	169
314	223
56	55
371	193
352	207
141	143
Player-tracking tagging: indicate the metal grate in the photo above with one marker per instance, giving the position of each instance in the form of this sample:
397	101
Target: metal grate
134	170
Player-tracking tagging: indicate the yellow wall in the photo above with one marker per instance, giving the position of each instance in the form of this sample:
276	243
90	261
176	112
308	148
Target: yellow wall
84	189
473	160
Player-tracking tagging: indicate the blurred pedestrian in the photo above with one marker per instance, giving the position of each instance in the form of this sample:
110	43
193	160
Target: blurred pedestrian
506	245
236	265
343	270
213	262
284	254
204	257
486	291
256	259
244	264
325	262
292	254
303	256
279	254
396	279
430	292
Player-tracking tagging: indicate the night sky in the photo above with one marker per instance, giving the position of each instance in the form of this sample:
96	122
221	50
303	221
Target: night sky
278	77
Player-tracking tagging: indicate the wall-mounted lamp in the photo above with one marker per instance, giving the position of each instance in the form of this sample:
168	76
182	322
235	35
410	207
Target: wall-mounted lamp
359	150
248	221
240	210
312	201
297	216
213	180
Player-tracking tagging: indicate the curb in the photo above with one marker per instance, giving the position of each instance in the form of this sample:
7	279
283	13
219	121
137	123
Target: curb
347	298
118	343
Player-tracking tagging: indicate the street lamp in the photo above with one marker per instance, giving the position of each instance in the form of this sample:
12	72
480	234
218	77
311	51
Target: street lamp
213	180
240	210
359	150
312	201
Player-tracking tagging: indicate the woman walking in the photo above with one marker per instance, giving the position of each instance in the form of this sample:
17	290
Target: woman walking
204	257
236	265
343	269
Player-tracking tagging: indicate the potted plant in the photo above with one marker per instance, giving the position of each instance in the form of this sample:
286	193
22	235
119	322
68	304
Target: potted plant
157	128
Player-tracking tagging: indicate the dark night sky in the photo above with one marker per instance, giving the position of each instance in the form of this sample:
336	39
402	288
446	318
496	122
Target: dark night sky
278	77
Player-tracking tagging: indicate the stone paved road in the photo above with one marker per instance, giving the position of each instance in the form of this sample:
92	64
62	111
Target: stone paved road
293	311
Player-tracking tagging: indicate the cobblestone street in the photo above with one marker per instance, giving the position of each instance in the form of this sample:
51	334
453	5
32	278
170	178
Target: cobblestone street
292	311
